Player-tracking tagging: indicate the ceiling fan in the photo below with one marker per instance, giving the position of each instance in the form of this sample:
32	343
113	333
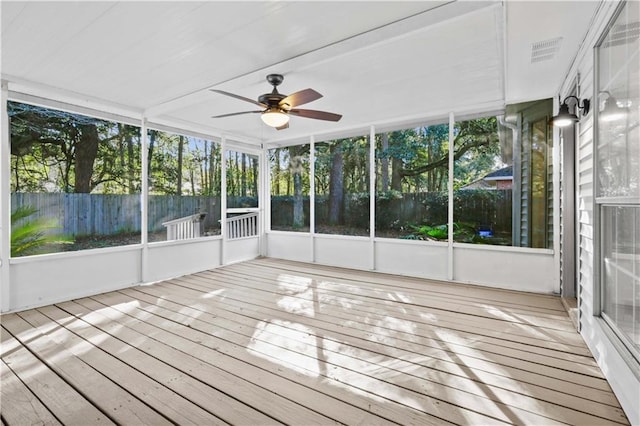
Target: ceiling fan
278	107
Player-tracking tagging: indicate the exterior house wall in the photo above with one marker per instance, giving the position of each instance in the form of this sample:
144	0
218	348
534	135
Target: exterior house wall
622	372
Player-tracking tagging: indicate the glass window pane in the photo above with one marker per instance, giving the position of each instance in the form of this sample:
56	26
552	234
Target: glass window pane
184	187
75	181
541	182
242	180
290	188
342	186
617	153
618	149
412	174
621	269
483	182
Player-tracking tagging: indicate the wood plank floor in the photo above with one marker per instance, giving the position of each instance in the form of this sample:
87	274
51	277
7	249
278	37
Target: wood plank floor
278	342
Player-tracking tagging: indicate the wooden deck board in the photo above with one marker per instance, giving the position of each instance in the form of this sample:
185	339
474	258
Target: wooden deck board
271	341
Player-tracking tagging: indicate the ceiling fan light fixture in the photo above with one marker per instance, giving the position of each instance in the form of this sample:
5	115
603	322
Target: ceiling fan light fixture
273	117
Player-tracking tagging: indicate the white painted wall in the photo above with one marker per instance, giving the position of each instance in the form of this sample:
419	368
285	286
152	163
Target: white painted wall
338	250
290	245
413	258
514	268
50	278
175	258
622	372
241	249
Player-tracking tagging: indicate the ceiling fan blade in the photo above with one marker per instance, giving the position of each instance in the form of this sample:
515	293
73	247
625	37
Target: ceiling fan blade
284	126
242	98
318	115
235	113
300	98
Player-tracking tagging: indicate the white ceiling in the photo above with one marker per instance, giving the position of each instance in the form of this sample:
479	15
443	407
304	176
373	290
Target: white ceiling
374	62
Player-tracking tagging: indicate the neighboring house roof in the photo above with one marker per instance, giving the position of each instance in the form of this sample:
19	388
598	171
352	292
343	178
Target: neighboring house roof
506	173
478	184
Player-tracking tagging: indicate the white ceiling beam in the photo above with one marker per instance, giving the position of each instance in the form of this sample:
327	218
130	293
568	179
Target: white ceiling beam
46	96
444	12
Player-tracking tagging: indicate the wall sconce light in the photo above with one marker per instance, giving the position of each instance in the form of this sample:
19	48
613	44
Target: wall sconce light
611	111
564	117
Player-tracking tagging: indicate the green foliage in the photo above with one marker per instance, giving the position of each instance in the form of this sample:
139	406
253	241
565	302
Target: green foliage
193	163
388	195
30	236
430	232
483	157
355	156
413	149
58	151
286	164
462	232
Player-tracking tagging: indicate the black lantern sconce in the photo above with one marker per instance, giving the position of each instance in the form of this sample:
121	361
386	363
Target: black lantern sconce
564	117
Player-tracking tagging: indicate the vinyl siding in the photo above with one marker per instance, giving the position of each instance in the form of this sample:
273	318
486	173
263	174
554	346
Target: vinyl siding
623	373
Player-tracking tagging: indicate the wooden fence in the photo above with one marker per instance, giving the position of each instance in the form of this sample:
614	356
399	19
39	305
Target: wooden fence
478	207
96	214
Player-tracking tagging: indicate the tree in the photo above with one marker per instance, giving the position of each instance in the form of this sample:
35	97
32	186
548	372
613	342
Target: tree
385	164
420	156
86	152
336	184
296	169
179	173
58	151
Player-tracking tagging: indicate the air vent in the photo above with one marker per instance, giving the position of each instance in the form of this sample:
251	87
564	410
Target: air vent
623	34
545	50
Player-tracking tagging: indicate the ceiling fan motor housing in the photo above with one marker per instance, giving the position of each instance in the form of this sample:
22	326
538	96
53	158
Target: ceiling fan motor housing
275	79
272	100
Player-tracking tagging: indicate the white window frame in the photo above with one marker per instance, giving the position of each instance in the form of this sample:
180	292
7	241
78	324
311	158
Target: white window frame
618	338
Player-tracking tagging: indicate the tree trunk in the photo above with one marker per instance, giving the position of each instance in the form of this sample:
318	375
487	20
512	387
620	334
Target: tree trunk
336	185
275	177
179	180
296	166
385	163
243	176
211	169
86	152
152	140
254	168
130	165
204	171
396	174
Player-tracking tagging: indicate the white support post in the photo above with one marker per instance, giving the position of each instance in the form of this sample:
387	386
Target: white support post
312	196
450	206
555	182
264	202
144	202
5	201
372	195
223	198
